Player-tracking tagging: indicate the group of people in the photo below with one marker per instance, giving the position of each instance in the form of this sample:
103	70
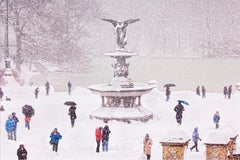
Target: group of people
47	88
203	89
227	91
102	135
11	126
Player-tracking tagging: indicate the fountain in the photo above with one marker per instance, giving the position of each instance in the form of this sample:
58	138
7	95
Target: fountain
121	97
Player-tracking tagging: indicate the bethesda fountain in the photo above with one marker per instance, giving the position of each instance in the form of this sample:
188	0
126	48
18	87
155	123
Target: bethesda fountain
121	97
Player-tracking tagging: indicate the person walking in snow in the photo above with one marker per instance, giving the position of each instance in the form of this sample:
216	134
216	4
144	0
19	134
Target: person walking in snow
14	117
98	135
69	85
72	115
198	91
147	144
9	126
36	92
168	92
55	137
216	119
195	138
179	109
225	92
22	152
203	92
27	122
105	138
47	86
229	91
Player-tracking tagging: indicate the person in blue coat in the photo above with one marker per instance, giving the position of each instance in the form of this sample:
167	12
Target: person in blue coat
9	126
195	138
55	137
216	119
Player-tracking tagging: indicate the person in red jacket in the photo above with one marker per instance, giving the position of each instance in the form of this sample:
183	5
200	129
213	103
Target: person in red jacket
98	134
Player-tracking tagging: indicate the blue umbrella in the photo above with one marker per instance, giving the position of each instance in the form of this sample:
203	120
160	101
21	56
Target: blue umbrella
183	102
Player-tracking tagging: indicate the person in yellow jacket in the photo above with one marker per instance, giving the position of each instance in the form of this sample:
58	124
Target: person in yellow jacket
147	142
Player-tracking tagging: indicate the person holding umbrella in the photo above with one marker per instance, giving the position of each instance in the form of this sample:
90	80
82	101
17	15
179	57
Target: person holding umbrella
179	108
168	91
72	114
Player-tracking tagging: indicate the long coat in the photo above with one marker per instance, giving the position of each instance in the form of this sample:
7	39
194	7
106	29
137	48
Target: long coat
179	109
72	113
147	145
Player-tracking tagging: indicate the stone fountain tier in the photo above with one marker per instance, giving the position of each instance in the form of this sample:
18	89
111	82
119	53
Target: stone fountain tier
122	104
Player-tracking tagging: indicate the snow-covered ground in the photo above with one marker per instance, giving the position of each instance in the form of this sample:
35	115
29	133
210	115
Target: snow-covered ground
125	139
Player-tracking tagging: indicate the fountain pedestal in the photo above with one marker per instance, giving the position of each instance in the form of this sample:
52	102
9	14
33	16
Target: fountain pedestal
121	97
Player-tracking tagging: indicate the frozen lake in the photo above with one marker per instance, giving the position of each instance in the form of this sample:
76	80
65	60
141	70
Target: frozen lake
186	73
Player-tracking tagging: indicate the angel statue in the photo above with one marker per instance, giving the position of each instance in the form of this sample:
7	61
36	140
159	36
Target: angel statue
121	29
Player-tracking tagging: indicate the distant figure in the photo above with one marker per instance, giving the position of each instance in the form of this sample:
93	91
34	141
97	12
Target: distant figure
27	122
168	92
105	138
47	86
216	119
121	30
9	126
203	92
2	108
14	117
1	94
179	109
36	92
98	135
195	138
22	152
229	91
72	114
198	91
55	137
69	85
147	144
225	92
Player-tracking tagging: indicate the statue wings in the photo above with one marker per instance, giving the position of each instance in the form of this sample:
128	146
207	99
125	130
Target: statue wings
114	22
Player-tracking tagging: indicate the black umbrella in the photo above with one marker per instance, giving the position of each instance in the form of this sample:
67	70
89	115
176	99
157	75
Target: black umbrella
169	85
28	110
70	103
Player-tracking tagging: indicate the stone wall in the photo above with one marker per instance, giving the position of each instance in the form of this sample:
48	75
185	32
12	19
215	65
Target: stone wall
173	152
214	151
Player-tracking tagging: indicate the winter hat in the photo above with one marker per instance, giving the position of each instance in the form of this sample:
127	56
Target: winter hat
147	135
13	113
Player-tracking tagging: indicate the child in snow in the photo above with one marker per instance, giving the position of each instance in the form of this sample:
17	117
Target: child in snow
55	137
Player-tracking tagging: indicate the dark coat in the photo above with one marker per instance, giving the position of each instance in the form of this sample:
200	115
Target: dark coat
179	109
105	133
22	153
72	112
